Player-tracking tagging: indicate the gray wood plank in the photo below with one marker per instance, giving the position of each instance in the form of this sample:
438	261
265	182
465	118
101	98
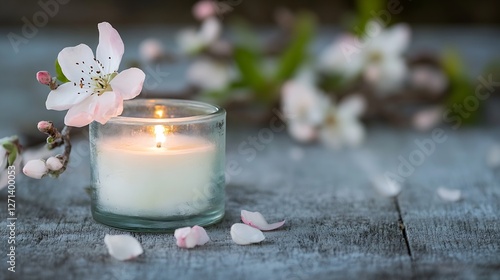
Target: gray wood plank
337	226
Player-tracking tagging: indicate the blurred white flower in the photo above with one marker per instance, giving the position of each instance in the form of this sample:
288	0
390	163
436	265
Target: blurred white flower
379	59
428	78
151	50
192	41
209	74
342	126
304	108
428	118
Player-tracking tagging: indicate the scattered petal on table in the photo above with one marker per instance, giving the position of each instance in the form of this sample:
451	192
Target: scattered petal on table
123	247
493	156
386	186
188	237
256	220
449	194
244	234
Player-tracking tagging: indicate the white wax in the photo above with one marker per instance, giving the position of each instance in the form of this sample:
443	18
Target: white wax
138	179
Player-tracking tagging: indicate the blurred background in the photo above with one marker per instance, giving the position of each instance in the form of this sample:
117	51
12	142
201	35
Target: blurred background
329	68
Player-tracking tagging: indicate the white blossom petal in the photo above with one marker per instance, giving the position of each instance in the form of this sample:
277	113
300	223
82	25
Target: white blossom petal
189	41
35	169
76	63
256	220
123	247
449	194
128	83
493	156
210	30
391	74
342	57
302	132
188	237
81	114
66	96
303	103
110	49
108	105
352	107
208	74
386	186
243	234
396	39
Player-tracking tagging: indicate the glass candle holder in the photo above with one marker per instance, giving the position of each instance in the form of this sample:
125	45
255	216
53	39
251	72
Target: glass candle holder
159	166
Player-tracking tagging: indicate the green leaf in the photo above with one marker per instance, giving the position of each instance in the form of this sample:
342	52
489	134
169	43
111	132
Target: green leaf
12	156
296	53
59	73
365	8
9	146
248	64
460	85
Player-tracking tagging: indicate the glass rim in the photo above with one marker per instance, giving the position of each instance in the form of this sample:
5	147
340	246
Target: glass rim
202	117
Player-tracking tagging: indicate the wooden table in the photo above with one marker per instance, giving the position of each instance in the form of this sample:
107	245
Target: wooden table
337	225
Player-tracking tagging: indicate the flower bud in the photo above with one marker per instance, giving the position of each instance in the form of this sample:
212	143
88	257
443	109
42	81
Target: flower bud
54	164
204	9
35	168
44	126
43	77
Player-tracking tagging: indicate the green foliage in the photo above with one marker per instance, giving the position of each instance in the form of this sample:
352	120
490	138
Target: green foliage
364	14
296	53
249	66
59	74
460	86
11	148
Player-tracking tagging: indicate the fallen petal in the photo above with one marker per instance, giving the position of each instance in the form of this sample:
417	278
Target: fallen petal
188	237
123	247
256	220
386	186
449	194
244	234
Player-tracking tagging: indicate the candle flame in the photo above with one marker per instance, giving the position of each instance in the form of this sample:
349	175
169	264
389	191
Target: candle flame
159	111
160	135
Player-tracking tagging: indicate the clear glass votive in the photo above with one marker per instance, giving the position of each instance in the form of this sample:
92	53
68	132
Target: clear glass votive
159	166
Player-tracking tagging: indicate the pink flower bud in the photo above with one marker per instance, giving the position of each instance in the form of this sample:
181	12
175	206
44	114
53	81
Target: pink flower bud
43	77
54	164
204	9
35	168
44	126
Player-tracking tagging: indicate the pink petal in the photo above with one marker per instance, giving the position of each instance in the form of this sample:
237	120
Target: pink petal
65	96
109	105
191	237
123	247
128	83
449	194
110	49
244	234
81	114
76	63
256	220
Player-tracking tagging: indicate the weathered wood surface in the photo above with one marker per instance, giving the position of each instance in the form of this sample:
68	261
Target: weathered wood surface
337	225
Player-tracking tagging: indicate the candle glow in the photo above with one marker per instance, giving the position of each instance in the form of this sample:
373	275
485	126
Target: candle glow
160	135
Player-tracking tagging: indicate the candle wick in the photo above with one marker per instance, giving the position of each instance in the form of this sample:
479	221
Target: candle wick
158	144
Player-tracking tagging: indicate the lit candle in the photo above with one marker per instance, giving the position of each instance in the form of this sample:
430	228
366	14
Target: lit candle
159	172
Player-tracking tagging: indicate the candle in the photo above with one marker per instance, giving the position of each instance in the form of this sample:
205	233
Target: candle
159	166
139	177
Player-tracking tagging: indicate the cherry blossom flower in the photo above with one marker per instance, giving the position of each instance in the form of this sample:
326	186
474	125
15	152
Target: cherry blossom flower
342	126
151	50
123	247
379	59
304	108
209	74
188	237
192	41
256	220
243	234
95	91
